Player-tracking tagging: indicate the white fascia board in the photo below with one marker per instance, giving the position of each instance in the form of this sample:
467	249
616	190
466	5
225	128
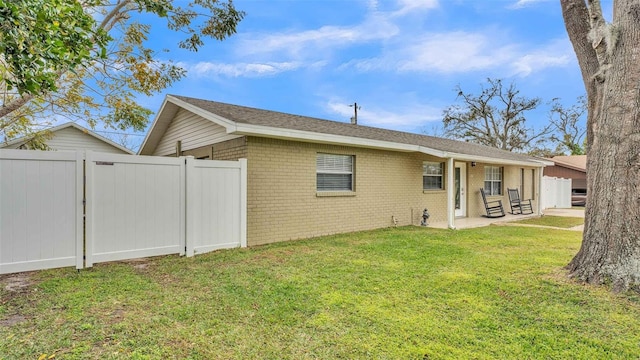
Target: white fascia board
545	162
542	163
490	160
228	124
153	125
233	127
308	136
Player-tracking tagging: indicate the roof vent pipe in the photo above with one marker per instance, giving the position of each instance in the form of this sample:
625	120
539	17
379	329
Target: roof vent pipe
354	118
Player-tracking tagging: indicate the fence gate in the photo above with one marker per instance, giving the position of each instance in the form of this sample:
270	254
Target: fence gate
216	210
40	210
556	192
135	206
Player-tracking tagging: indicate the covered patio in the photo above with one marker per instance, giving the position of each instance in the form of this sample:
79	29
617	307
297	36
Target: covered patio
473	222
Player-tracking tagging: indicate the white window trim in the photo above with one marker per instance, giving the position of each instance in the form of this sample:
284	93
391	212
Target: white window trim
441	175
343	171
490	192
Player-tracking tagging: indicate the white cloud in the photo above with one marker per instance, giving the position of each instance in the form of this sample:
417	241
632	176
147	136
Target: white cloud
368	65
210	69
557	53
396	49
460	52
309	42
524	3
530	63
377	26
452	53
409	116
413	6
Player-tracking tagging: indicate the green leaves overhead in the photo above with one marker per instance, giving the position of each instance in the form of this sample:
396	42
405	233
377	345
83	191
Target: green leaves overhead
40	38
90	59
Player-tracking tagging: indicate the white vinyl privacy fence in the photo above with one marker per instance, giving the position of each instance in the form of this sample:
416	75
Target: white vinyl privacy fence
556	193
134	206
40	210
220	223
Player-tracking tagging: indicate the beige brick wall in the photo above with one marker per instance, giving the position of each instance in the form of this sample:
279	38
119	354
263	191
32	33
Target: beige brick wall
230	150
512	179
283	203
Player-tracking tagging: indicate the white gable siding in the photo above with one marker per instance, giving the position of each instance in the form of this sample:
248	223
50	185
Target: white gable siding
70	138
193	130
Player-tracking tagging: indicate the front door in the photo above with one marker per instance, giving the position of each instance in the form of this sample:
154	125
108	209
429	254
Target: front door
460	171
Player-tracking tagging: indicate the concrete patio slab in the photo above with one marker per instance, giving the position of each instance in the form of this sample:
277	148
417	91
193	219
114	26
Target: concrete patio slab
465	223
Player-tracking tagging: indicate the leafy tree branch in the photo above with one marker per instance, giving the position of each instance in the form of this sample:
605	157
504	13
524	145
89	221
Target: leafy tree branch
94	52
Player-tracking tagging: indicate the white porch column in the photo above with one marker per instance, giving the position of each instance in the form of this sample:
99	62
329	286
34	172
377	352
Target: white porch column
539	189
451	194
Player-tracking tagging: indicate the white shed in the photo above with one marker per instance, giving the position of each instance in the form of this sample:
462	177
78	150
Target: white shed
71	136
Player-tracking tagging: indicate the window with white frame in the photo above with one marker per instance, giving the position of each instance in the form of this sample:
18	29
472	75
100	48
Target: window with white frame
432	175
493	180
334	172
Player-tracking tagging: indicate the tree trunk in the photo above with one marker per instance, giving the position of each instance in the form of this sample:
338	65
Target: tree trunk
610	251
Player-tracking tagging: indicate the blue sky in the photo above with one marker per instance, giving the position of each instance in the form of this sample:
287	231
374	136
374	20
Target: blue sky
400	60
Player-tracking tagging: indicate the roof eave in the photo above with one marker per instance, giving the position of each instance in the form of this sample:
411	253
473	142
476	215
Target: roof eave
236	128
169	108
160	124
309	136
568	166
493	160
226	123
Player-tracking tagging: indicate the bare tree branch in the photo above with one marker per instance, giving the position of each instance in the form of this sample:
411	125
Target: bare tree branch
493	118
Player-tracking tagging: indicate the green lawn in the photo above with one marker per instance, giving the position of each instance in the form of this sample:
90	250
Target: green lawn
555	221
405	293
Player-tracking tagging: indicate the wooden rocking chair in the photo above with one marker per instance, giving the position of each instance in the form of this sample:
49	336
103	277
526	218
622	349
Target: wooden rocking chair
518	206
494	208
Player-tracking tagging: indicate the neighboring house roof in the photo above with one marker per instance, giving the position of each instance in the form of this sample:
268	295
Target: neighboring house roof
575	162
71	136
241	120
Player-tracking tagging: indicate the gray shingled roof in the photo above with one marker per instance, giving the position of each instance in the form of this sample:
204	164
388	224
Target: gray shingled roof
253	116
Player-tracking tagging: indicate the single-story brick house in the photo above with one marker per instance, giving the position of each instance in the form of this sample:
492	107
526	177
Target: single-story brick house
311	177
71	136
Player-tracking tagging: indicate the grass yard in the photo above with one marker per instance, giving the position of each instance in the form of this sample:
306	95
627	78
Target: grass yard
407	293
555	221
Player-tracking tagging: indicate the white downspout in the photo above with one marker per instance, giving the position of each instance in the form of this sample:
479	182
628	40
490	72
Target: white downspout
451	208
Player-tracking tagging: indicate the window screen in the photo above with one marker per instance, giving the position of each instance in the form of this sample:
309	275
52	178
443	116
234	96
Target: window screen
334	172
493	180
432	175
